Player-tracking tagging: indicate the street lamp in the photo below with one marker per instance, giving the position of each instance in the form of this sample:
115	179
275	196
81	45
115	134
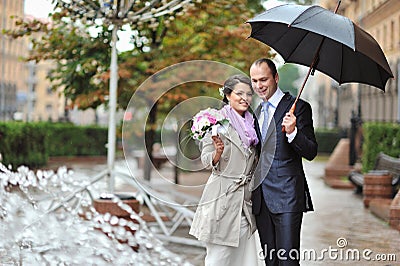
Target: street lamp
115	14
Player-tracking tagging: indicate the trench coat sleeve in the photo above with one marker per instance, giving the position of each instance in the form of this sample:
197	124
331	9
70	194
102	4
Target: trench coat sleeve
207	152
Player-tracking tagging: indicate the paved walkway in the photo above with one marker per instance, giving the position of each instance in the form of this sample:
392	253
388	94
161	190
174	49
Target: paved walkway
339	219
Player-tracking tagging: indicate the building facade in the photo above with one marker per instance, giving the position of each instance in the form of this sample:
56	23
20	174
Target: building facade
337	104
13	71
47	105
24	88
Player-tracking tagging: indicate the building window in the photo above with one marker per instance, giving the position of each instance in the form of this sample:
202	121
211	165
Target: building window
49	108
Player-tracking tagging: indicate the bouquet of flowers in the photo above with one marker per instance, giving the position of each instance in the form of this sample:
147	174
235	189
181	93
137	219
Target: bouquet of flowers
206	120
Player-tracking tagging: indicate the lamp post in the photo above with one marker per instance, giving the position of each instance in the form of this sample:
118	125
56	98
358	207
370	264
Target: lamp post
115	14
113	108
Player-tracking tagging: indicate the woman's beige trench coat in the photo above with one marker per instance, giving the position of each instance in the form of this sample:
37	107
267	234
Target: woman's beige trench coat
218	215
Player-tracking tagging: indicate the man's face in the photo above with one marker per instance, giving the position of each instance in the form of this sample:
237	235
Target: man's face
264	83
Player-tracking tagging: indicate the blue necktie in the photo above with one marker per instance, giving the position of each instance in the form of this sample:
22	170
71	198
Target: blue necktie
265	106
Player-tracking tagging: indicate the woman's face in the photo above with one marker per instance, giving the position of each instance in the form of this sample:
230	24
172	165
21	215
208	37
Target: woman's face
240	98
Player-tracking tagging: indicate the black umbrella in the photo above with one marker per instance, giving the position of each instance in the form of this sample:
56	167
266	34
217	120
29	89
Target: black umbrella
316	37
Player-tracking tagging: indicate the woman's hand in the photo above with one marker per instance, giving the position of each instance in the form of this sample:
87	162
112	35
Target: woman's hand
219	148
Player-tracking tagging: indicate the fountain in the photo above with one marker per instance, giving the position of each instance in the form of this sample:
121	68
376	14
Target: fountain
47	218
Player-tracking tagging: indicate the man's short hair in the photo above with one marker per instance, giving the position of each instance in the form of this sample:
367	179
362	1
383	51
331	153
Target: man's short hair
269	62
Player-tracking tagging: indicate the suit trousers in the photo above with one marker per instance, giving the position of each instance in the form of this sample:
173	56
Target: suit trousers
280	236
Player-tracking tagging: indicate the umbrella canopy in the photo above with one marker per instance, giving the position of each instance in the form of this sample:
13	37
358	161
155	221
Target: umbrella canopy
317	37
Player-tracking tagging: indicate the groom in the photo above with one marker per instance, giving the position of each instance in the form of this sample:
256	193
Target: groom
281	194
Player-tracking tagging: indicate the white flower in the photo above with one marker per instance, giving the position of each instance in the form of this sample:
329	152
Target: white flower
221	91
204	120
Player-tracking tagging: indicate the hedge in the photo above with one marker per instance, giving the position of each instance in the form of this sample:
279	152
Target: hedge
379	137
31	144
71	140
327	139
23	144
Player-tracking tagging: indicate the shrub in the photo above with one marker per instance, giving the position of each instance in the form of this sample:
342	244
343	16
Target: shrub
31	144
379	137
71	140
23	144
327	139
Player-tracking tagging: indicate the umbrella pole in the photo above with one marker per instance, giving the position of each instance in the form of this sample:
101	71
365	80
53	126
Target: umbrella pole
315	60
311	68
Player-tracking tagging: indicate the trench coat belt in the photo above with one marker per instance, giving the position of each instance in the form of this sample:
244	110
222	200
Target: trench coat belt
238	182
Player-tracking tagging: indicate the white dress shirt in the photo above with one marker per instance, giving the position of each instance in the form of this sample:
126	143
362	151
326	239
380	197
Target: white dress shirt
274	101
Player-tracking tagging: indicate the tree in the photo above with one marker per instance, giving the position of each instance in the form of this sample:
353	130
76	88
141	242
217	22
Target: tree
215	31
299	2
82	56
288	74
79	58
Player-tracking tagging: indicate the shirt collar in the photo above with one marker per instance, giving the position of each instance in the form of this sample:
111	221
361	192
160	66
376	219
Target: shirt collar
276	97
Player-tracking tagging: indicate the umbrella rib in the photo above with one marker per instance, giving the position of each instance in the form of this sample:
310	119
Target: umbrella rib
297	19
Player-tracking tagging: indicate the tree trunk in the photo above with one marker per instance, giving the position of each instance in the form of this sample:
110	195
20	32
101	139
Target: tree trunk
149	141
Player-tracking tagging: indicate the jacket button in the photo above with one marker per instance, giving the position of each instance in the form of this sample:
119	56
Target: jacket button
226	159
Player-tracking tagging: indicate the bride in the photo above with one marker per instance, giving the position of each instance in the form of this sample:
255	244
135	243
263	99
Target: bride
223	219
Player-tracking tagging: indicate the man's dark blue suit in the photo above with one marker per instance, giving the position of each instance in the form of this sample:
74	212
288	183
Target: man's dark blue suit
283	195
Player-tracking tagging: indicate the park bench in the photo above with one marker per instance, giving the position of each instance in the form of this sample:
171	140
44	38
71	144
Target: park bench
384	164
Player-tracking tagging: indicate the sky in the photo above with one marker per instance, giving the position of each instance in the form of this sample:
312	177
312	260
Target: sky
38	8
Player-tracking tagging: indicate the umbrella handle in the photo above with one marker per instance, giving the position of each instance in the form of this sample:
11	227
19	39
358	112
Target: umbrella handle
290	111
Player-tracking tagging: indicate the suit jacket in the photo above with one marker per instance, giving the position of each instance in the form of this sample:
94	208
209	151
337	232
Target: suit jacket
226	194
279	173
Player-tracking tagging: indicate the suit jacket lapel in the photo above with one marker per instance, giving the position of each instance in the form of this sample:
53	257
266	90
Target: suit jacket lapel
258	127
282	108
256	115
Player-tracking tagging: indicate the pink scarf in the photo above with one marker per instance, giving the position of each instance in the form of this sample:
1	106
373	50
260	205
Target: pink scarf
244	126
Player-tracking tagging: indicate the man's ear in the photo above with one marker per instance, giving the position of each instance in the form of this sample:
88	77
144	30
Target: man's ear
276	78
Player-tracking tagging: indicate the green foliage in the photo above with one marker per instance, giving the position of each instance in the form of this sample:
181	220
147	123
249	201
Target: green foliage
213	30
255	6
71	140
288	74
31	144
299	2
379	137
23	144
327	139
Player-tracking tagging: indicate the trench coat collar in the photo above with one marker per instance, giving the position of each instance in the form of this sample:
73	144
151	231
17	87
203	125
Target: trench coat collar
234	138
